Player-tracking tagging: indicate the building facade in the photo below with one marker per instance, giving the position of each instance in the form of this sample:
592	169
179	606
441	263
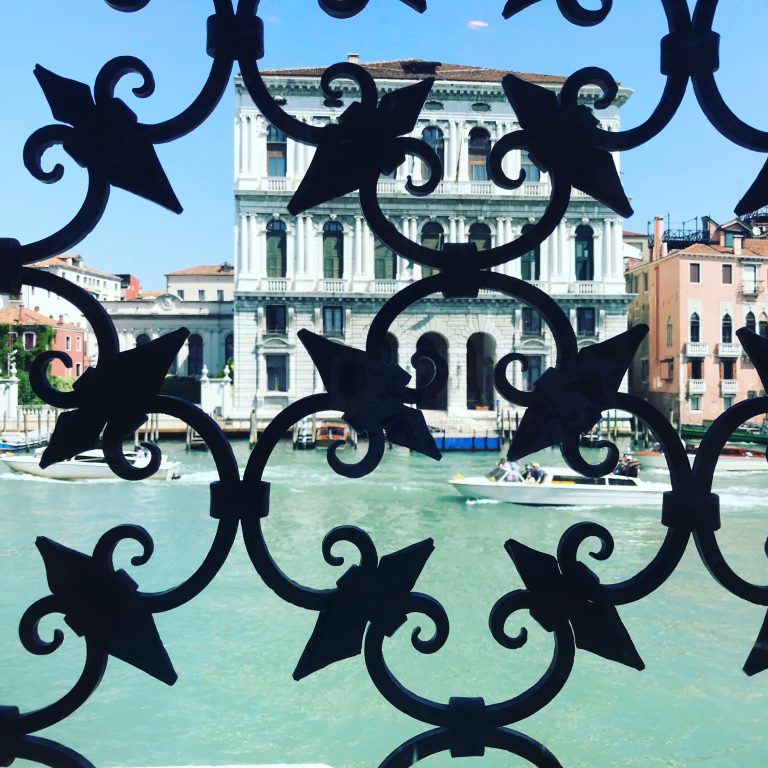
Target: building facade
694	298
204	282
326	271
211	341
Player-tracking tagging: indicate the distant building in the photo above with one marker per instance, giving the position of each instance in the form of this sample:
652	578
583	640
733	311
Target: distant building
206	282
130	286
693	298
102	285
68	337
325	270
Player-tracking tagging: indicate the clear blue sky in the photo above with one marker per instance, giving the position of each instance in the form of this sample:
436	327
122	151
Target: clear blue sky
688	171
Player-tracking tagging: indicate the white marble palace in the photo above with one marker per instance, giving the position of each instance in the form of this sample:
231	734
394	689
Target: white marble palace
326	271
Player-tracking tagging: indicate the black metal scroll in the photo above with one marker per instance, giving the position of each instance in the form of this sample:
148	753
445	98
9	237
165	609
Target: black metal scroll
373	597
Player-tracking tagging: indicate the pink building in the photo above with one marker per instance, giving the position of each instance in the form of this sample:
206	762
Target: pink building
693	299
69	338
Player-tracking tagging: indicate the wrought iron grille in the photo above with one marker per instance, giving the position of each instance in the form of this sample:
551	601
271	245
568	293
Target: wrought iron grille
373	597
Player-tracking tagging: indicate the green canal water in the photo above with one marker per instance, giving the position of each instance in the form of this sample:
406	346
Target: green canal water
236	645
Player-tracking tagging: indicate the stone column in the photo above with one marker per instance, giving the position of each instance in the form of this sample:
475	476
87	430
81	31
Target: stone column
258	163
240	239
347	269
545	261
461	233
301	250
290	252
414	235
514	268
452	230
367	266
616	257
238	146
464	159
358	269
607	244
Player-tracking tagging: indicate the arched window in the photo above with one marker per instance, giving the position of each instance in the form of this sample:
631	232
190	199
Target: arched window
749	321
276	249
669	331
277	151
726	335
481	354
431	345
532	172
432	236
480	235
433	136
333	250
762	325
142	338
384	262
695	330
530	262
585	253
195	359
479	148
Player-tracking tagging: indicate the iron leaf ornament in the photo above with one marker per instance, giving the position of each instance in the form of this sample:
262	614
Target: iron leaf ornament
105	136
344	9
569	400
118	395
101	603
571	9
596	625
366	594
369	392
561	136
364	142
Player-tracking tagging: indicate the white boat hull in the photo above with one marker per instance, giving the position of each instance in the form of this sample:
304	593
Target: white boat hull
78	470
559	495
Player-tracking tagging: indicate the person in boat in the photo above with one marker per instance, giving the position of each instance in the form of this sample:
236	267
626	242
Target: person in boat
536	475
627	467
512	472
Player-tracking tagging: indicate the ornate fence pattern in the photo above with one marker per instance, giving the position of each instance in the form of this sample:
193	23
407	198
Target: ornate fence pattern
373	598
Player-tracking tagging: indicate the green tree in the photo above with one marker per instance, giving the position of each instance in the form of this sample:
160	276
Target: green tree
12	339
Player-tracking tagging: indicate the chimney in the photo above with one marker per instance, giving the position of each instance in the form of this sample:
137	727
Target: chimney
658	233
353	58
737	243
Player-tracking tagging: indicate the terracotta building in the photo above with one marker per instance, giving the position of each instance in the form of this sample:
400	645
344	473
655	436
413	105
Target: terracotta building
69	338
694	292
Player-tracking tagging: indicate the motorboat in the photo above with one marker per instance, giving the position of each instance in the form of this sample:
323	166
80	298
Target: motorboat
88	465
20	441
732	458
330	432
563	487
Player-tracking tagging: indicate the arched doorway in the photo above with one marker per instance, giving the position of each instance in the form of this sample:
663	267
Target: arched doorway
142	338
432	236
431	345
481	357
480	235
195	359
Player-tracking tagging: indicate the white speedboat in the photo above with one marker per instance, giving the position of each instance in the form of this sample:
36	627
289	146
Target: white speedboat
88	465
563	487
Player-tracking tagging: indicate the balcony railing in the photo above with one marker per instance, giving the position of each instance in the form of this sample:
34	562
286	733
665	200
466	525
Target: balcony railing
276	284
750	289
696	349
584	288
332	286
463	188
726	349
729	387
384	287
697	386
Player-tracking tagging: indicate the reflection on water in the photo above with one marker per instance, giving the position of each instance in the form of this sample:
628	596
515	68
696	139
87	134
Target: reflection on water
237	644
